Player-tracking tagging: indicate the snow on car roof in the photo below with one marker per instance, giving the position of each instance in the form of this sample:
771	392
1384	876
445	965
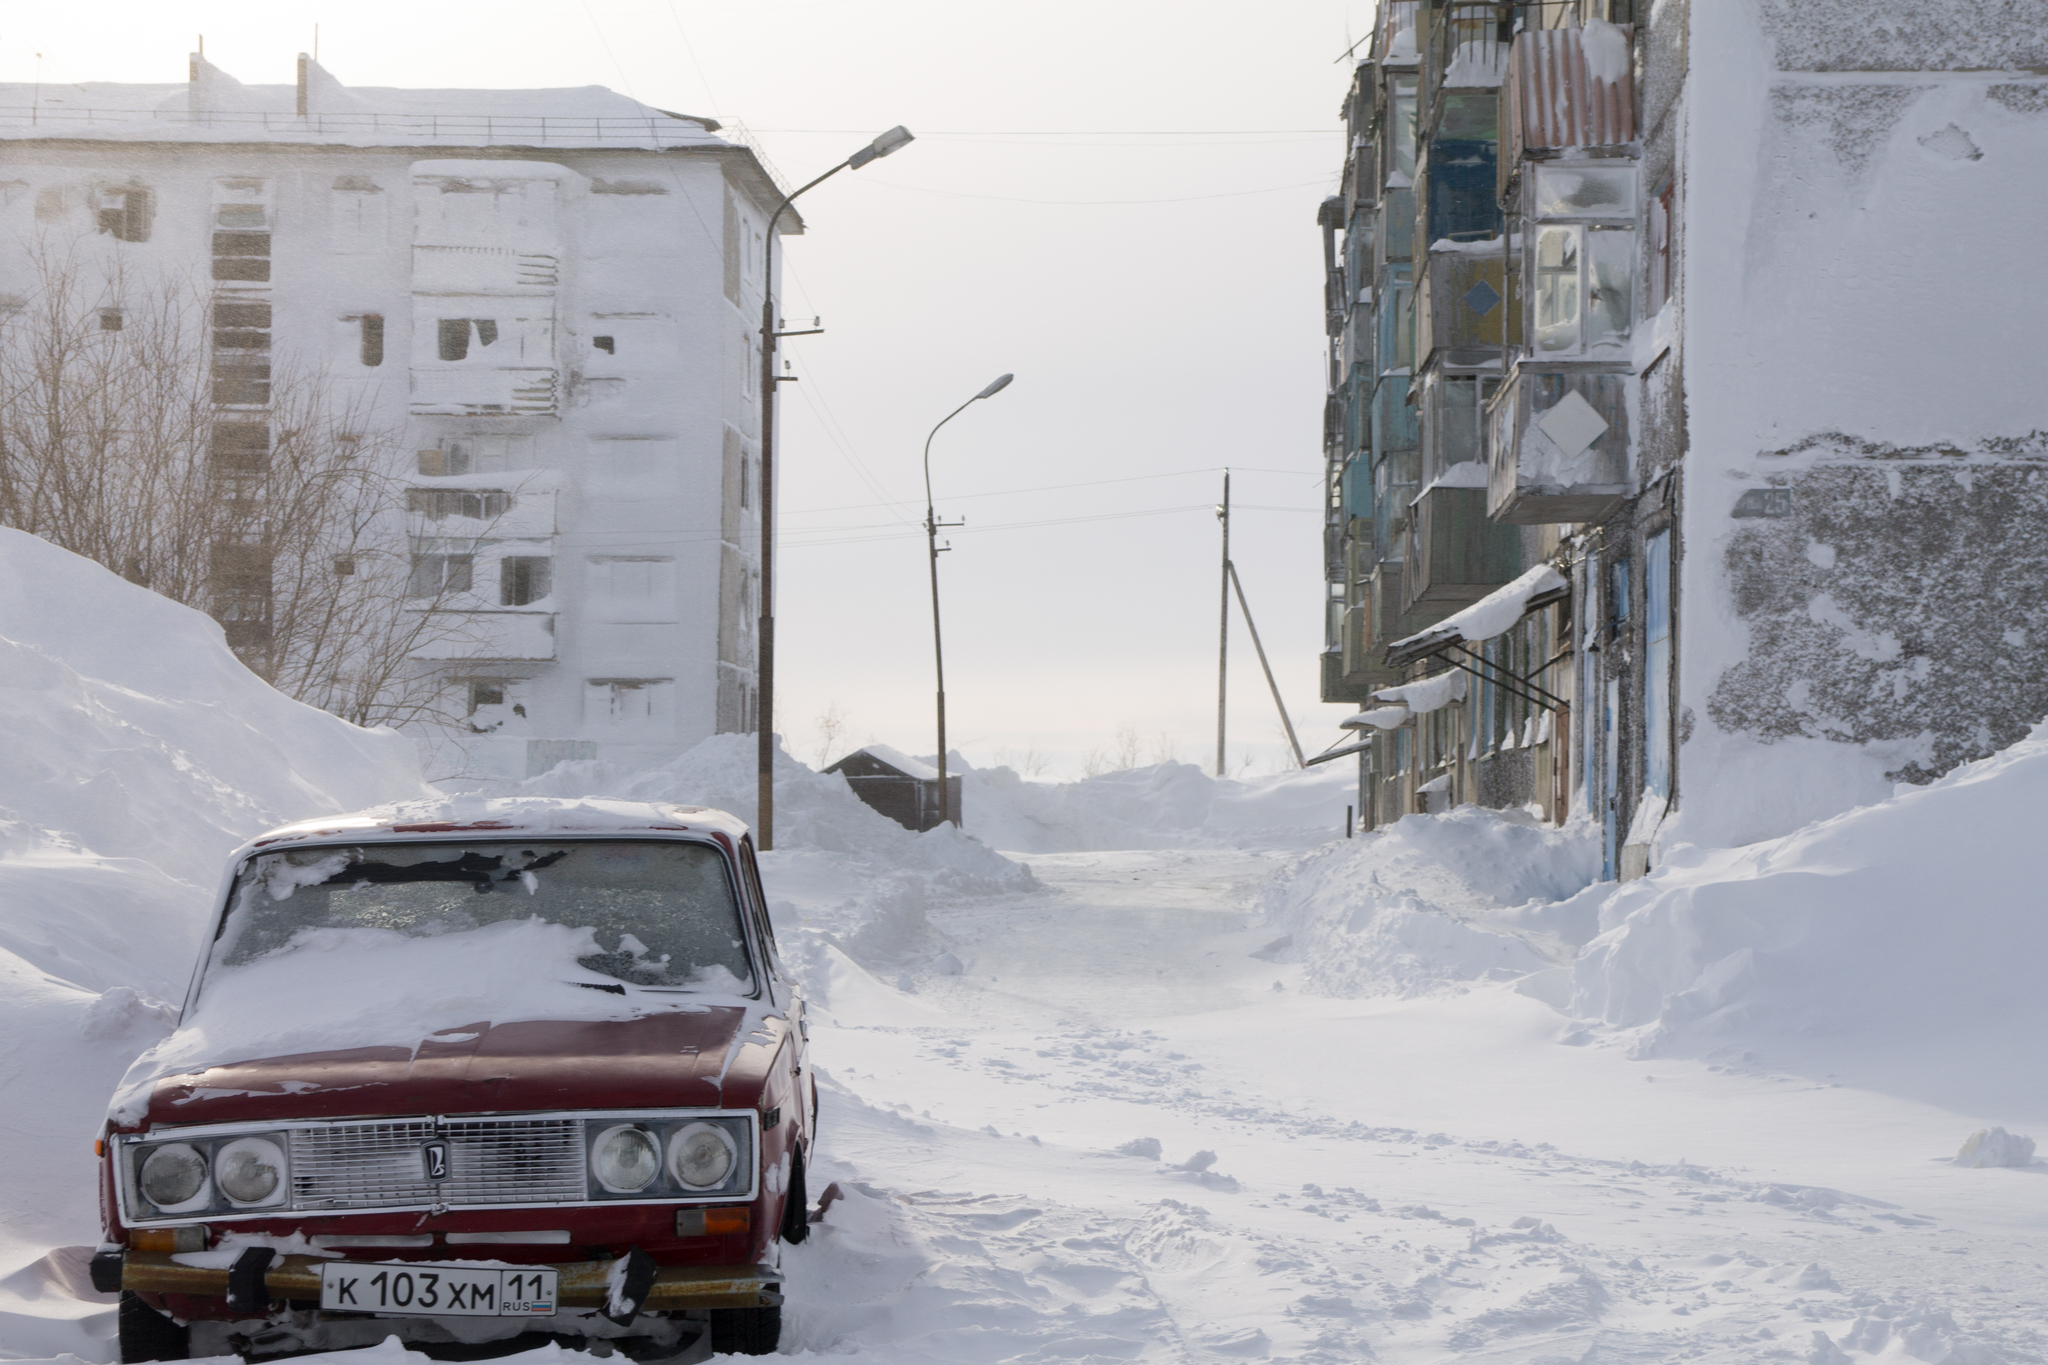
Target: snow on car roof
529	815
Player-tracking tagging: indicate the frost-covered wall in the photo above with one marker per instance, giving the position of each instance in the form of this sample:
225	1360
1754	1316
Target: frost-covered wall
547	301
1866	470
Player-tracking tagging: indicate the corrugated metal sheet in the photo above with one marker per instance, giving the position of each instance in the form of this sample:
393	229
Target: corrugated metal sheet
1554	102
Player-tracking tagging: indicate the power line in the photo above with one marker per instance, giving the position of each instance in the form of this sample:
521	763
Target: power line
1078	132
1059	487
1019	199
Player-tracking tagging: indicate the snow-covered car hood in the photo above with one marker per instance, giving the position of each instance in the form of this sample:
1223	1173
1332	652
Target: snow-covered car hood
687	1056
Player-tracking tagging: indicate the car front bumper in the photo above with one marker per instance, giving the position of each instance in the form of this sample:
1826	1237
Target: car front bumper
582	1283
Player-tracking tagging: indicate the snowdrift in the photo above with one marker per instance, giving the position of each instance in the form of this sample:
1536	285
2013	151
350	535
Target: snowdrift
1906	937
1433	900
1166	805
1899	946
138	752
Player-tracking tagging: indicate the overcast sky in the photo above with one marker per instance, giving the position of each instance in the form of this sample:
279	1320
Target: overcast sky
1116	201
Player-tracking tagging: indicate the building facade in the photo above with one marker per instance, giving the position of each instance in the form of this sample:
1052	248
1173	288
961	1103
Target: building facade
1682	469
548	302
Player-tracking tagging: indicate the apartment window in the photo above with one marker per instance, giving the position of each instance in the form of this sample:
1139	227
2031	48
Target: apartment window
1657	664
1582	271
455	334
476	504
731	240
344	565
241	255
356	214
241	326
477	455
436	574
523	580
627	703
247	216
125	215
243	447
1617	600
485	692
1401	134
1659	283
110	319
609	345
372	348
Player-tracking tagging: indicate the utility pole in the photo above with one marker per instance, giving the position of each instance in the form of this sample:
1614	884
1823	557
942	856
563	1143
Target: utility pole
932	527
1223	631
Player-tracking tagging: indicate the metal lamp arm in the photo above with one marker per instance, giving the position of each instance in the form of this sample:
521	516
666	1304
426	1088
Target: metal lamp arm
928	515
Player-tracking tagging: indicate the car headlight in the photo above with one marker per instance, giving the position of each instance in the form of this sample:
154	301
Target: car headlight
701	1155
249	1170
625	1159
174	1176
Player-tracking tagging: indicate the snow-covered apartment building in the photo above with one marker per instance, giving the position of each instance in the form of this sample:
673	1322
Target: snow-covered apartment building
1686	436
552	297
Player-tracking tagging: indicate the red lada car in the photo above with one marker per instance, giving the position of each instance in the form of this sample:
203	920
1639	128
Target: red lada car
515	1067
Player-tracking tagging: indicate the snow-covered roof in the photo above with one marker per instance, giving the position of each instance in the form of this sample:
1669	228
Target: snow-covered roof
1491	615
494	817
902	762
215	107
1379	718
1427	694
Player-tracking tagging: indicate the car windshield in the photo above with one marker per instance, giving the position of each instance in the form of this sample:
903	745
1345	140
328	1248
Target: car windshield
661	912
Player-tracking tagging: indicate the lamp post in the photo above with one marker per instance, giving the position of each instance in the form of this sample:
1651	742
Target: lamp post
931	530
764	718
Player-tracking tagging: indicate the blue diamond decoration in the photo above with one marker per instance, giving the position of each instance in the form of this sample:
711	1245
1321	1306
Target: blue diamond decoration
1482	298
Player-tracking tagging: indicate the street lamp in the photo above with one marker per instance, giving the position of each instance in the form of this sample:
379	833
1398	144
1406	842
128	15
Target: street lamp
764	718
931	530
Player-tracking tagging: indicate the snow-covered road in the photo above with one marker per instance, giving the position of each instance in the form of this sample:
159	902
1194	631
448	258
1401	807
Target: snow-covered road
1121	1133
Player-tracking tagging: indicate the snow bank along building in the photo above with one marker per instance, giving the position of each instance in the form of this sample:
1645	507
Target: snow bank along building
554	295
1687	451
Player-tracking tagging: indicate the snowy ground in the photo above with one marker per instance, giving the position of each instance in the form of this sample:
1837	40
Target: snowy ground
1202	1084
1443	1176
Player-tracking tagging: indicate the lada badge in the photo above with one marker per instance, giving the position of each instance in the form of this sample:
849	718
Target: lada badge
434	1157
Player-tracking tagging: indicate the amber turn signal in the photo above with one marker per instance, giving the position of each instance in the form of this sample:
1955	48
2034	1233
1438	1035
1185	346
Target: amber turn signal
168	1239
99	1147
712	1222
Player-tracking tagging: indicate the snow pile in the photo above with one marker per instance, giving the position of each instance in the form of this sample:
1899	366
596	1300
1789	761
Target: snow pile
1995	1147
137	754
1437	899
1912	927
1166	805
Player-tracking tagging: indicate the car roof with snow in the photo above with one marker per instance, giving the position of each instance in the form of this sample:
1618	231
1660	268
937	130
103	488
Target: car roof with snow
531	816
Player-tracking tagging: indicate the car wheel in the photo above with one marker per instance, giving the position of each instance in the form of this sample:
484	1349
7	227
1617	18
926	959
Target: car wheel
745	1331
796	1205
148	1335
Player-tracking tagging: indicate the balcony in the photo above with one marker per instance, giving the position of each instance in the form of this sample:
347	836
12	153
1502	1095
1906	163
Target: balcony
1463	312
494	636
1455	555
1565	90
1557	448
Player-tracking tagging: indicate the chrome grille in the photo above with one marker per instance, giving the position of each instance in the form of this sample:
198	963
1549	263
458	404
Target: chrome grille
490	1161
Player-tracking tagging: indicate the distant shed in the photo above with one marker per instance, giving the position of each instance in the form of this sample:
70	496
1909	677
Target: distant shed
899	786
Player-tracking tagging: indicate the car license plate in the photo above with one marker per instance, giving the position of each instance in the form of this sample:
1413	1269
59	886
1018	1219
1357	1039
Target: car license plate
414	1289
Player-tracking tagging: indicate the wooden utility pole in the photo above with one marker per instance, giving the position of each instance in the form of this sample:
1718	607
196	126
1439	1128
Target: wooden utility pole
1223	631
